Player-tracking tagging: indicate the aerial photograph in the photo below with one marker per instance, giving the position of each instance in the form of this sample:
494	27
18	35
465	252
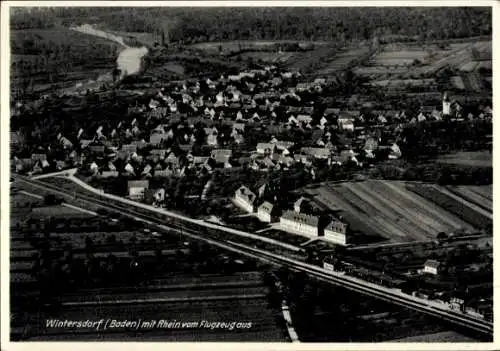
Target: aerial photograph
250	174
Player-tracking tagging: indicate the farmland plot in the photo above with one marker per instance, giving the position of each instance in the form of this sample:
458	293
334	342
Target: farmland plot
388	209
389	58
457	82
466	158
342	60
470	212
478	195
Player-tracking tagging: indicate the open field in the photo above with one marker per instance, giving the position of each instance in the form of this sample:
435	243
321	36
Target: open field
477	159
387	209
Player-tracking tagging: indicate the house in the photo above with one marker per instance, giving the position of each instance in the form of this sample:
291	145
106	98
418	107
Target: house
130	148
267	212
336	232
159	195
221	155
172	159
162	173
60	165
265	148
346	123
159	152
457	303
317	152
304	119
136	189
94	168
39	157
304	159
85	143
24	164
276	81
66	143
156	139
283	145
15	138
299	223
212	134
266	163
240	127
129	169
245	199
431	267
197	160
305	86
109	174
395	152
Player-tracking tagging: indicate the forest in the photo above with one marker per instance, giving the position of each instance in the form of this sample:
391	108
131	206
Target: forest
191	25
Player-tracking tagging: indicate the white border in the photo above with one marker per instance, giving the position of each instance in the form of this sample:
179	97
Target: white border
5	344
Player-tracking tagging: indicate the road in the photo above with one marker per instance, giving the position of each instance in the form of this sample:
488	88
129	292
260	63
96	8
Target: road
395	296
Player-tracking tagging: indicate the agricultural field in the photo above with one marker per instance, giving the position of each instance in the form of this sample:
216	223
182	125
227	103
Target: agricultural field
412	61
342	60
477	216
174	67
387	210
269	57
401	84
466	158
398	58
459	55
481	196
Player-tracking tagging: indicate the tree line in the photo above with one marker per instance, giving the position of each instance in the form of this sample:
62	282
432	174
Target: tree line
293	23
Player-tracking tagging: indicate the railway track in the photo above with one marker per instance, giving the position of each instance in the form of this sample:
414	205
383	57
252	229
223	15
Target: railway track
395	296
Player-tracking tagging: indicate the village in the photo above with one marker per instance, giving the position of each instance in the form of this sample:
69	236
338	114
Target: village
259	120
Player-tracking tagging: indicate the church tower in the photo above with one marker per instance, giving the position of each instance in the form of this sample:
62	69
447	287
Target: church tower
446	105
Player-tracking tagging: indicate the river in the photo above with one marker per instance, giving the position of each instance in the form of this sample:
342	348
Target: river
130	58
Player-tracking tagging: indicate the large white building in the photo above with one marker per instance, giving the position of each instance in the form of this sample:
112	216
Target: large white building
245	199
266	212
299	223
336	232
431	267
